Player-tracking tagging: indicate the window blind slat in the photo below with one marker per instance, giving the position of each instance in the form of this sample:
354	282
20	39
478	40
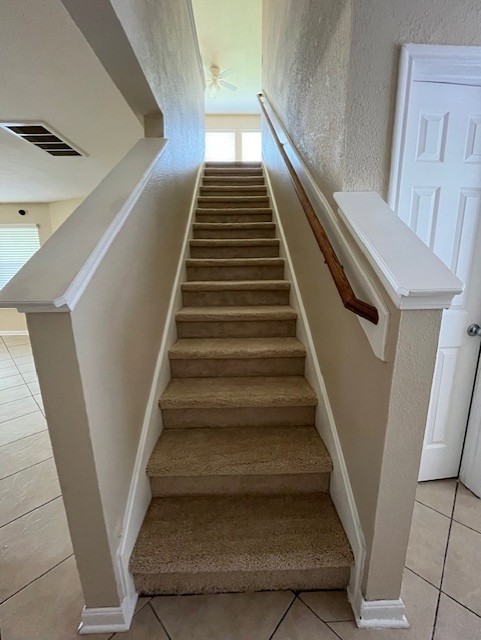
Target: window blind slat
18	243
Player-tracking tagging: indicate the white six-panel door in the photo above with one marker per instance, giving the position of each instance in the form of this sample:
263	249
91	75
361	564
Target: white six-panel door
440	199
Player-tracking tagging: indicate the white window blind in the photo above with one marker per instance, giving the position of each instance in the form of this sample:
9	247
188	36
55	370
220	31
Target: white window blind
18	243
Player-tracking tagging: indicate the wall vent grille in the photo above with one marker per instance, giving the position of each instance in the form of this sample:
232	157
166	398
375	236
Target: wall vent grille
42	137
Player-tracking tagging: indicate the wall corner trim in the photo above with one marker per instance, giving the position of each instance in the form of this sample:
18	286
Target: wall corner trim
378	614
108	619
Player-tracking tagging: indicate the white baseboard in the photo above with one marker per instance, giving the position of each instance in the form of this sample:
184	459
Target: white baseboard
14	333
108	619
140	494
340	485
378	614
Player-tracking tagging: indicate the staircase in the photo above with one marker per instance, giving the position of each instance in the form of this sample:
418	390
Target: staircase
239	476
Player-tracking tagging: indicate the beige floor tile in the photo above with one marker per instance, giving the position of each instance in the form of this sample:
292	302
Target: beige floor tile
22	427
30	376
24	453
39	400
13	341
20	351
17	408
145	626
438	494
330	606
468	508
32	545
301	624
5	354
34	388
14	393
462	574
48	609
454	622
6	363
141	602
10	378
420	599
236	616
427	543
27	490
25	365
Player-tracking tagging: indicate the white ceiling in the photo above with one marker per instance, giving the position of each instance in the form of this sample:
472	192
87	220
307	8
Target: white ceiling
49	73
230	36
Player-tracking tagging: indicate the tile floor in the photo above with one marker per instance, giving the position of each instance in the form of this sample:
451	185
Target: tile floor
40	596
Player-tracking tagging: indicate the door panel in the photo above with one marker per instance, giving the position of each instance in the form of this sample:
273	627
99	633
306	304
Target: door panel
440	199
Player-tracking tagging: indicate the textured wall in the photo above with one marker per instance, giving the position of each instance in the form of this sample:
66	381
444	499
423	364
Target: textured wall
305	70
377	36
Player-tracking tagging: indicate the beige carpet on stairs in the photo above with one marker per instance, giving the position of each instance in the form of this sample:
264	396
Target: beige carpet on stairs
240	475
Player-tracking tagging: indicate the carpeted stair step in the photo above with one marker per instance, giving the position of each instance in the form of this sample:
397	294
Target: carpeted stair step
233	171
235	248
233	163
238	402
235	269
232	202
240	460
261	214
236	293
232	180
208	544
236	230
233	190
233	357
263	321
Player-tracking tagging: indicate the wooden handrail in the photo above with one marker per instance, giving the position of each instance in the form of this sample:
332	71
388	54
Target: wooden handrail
348	297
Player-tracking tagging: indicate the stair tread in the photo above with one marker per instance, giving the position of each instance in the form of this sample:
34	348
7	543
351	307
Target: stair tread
239	348
235	242
234	225
236	314
240	533
239	451
279	391
236	285
233	210
233	262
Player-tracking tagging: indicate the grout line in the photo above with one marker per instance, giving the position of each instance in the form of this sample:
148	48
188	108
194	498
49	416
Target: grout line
23	437
321	619
444	560
294	597
149	604
30	511
422	577
460	604
435	510
37	578
24	415
467	526
24	469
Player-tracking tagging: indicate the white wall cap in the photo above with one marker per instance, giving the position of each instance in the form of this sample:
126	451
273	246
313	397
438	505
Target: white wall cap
57	275
413	275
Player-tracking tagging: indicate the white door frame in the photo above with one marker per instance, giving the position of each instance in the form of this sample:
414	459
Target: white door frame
428	63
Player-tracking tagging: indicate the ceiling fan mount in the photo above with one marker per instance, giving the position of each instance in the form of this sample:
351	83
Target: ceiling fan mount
215	80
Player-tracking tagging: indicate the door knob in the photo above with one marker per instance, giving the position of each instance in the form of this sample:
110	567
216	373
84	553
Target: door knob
474	330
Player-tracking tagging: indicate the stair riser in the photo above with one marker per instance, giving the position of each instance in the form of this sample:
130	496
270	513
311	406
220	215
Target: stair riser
218	234
252	329
234	171
258	272
234	298
250	164
233	180
238	417
227	582
266	251
239	484
220	368
231	190
224	216
252	202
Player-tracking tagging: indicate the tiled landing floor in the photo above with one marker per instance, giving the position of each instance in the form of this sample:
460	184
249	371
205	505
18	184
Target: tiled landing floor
40	596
